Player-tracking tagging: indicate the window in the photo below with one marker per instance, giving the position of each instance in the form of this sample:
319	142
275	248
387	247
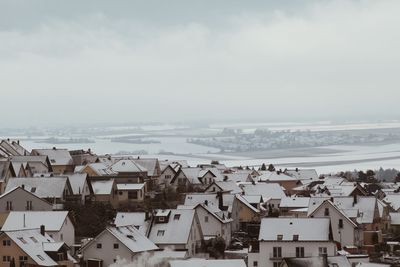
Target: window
22	240
160	232
177	216
116	246
299	252
161	219
340	223
277	252
279	237
277	264
322	251
132	195
295	237
6	258
6	242
206	219
23	258
326	213
29	205
33	189
99	245
40	257
120	193
255	263
9	205
167	176
60	256
33	239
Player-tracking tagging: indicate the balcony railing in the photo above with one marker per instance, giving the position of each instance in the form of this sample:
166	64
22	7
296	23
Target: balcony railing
273	256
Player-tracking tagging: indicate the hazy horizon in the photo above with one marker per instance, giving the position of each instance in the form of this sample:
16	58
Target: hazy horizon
73	62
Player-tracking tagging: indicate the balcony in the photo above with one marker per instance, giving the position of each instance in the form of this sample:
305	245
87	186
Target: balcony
288	255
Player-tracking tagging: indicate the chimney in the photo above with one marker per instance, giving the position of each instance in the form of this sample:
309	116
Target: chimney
23	186
206	202
220	201
42	230
24	221
354	200
146	216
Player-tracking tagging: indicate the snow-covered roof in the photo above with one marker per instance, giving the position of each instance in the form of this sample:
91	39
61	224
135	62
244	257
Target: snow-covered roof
127	165
394	218
267	176
303	174
77	181
101	168
31	242
314	203
341	261
102	187
20	220
393	200
253	199
238	177
43	187
266	190
176	231
207	263
245	202
307	229
137	219
132	238
149	164
294	202
57	156
130	186
192	199
228	186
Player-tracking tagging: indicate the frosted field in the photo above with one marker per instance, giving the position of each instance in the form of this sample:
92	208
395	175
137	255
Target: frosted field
325	159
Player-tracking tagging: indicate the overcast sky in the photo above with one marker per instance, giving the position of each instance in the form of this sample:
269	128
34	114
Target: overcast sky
136	61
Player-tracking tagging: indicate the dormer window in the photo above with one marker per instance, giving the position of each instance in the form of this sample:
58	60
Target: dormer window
160	232
161	219
33	189
279	237
295	237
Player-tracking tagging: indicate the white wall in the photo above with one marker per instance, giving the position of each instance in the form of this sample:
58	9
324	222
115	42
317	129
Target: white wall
311	249
19	198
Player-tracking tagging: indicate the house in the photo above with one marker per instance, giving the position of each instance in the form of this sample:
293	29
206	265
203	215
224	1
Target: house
18	199
281	238
176	230
140	220
11	148
57	224
196	178
344	230
320	261
6	172
60	159
82	157
304	175
286	181
393	199
33	247
290	206
238	176
128	168
82	190
213	221
54	190
248	216
153	170
224	186
395	222
131	193
207	263
125	243
272	193
33	164
105	191
167	173
97	169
